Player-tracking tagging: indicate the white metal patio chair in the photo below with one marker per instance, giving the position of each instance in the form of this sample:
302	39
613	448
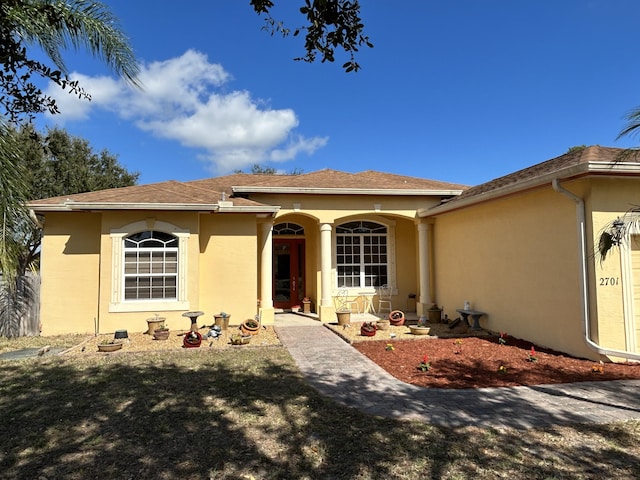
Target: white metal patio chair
384	298
343	303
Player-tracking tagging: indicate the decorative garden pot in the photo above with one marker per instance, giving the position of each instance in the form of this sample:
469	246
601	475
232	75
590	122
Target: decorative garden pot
161	335
383	324
306	306
192	340
240	339
368	329
344	318
109	347
415	330
435	314
396	318
154	324
250	327
222	321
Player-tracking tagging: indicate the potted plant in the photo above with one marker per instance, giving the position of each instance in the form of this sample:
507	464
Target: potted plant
396	317
368	329
222	320
161	333
192	340
240	339
109	345
250	327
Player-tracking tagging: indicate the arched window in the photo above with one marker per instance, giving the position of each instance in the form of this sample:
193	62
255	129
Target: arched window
287	228
362	257
150	266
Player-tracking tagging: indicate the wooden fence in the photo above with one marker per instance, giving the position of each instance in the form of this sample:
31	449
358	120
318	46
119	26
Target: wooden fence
20	310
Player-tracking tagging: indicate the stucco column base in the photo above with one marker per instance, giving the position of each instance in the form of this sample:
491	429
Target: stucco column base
267	316
421	309
327	314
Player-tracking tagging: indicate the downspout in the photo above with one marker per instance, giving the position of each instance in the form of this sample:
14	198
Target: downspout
582	249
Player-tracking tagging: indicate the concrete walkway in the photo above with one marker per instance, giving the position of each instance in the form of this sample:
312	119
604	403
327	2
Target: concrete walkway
337	370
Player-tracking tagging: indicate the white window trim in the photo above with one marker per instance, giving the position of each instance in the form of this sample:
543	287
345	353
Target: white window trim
391	254
118	303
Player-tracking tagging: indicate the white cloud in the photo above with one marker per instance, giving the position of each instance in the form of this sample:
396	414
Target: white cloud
182	100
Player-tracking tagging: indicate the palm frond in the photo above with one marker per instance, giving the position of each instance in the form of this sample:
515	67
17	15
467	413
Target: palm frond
57	25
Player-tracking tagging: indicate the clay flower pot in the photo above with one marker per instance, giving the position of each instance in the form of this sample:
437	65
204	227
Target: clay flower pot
396	318
192	340
250	327
368	329
162	334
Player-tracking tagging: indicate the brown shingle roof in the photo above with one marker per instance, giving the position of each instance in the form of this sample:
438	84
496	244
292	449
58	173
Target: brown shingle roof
170	192
209	191
559	165
334	179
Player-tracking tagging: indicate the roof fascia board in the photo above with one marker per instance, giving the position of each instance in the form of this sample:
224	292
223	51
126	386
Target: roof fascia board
344	191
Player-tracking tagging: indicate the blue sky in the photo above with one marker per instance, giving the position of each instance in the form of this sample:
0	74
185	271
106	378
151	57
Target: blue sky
462	91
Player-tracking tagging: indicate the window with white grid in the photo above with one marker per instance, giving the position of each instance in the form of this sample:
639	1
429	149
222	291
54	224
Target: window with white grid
150	266
362	254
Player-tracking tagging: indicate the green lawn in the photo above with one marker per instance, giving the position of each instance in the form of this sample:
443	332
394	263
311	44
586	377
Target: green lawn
248	414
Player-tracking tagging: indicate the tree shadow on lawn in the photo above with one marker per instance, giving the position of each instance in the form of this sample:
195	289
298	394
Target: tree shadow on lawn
250	414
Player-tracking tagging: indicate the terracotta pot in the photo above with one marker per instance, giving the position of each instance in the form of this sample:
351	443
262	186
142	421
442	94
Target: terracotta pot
161	334
249	329
367	330
396	318
109	347
190	342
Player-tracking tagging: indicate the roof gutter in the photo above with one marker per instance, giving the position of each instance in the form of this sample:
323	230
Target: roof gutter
221	207
582	249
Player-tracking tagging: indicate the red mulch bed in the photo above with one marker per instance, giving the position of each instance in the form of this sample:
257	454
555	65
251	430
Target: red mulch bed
476	362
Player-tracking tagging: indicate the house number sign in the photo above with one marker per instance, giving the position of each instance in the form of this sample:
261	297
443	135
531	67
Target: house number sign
609	281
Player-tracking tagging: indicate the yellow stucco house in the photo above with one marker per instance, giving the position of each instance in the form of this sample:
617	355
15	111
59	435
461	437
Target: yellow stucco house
519	248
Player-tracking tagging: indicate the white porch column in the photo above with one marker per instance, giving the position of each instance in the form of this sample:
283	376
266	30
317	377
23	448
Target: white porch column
326	303
266	272
424	301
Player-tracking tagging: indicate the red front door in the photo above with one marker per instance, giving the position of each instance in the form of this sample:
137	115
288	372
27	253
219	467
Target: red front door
288	272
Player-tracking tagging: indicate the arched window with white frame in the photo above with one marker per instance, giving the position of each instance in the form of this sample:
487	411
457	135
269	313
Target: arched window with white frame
150	266
362	254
